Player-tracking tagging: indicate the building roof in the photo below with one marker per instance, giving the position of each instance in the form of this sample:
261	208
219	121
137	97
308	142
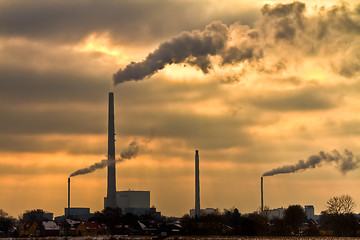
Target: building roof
50	225
72	222
91	225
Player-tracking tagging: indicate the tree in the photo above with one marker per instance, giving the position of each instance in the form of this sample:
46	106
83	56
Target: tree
109	216
7	222
294	216
341	205
278	227
339	216
36	215
189	225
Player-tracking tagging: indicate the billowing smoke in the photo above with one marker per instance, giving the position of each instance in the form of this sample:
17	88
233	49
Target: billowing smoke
191	47
130	152
281	35
344	162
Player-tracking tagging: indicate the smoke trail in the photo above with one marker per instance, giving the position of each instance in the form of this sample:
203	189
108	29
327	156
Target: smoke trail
130	152
281	34
345	162
197	44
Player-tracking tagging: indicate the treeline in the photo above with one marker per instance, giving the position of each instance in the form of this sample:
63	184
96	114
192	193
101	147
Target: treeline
338	220
294	223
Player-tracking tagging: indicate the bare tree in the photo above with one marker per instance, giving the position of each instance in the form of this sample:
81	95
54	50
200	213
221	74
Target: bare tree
341	205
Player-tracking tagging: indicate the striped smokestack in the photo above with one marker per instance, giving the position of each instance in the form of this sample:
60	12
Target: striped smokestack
111	183
197	185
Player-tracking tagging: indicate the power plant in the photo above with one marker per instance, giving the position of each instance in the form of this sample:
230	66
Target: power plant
110	201
197	185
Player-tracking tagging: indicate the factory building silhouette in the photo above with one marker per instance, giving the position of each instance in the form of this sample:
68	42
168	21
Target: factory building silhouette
135	202
130	201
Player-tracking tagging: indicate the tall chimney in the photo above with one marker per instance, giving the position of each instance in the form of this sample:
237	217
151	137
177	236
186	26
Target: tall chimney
68	211
197	185
111	183
262	194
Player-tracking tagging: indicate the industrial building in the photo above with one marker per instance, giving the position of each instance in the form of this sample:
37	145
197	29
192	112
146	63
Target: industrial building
80	213
276	213
310	212
134	202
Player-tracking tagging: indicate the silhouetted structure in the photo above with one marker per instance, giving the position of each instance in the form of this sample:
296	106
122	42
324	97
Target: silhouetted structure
310	212
78	213
134	202
197	185
262	194
68	197
111	183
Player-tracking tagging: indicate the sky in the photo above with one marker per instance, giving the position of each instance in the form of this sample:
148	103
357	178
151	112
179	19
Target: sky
253	85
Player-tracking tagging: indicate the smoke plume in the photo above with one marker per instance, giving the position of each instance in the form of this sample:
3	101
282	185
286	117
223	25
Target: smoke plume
282	34
130	152
344	162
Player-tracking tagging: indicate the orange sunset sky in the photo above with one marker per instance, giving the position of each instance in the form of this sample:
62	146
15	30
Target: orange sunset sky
281	84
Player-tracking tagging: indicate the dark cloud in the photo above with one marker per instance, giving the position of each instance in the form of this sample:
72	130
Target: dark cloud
283	81
19	85
34	102
62	120
126	21
350	127
303	99
72	144
36	170
44	121
283	19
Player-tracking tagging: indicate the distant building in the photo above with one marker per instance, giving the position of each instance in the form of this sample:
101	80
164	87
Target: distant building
309	212
82	214
203	212
276	213
128	200
134	202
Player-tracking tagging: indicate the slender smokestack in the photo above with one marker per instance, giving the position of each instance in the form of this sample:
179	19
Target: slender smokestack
197	185
262	194
68	211
111	187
